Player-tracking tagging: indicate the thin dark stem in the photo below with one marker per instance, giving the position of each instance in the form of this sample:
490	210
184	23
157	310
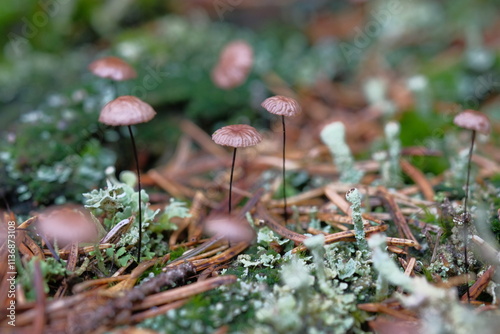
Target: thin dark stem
231	180
285	213
114	84
473	138
466	215
140	189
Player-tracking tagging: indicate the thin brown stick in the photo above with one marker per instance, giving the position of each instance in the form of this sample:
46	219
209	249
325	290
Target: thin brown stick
397	216
419	178
184	292
202	139
410	266
170	186
222	257
87	249
180	157
97	282
150	313
195	213
344	236
336	199
278	228
478	287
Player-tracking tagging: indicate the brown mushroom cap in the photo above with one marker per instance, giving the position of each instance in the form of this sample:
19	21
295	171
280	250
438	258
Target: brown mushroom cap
237	135
236	230
67	224
235	63
113	68
473	120
282	105
126	110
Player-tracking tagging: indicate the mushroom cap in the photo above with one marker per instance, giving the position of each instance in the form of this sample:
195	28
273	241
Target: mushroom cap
236	230
113	68
234	65
282	105
237	135
473	120
225	80
126	110
67	224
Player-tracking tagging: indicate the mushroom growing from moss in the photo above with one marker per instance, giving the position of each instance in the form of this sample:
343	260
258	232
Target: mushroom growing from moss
129	110
237	135
234	65
476	122
283	106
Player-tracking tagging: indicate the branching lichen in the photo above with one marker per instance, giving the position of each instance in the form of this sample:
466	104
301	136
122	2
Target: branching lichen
118	201
391	169
439	309
333	135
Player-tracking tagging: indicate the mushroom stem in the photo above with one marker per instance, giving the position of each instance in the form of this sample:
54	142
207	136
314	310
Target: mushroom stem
114	85
231	180
140	190
465	215
285	214
473	139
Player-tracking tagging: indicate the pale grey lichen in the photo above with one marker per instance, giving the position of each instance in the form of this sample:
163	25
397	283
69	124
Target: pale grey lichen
296	274
265	236
265	259
316	245
119	201
298	305
175	209
333	135
354	198
285	311
449	260
391	168
375	91
439	309
419	85
346	263
218	307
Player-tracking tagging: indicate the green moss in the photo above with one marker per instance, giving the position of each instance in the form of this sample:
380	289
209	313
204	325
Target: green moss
176	253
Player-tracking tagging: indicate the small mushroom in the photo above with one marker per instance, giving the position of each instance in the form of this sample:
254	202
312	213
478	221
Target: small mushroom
112	68
234	65
129	110
477	122
473	120
234	229
237	135
67	224
283	106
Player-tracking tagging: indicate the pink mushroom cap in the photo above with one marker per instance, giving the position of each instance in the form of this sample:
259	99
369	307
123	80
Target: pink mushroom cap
126	110
112	68
282	105
237	135
473	120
